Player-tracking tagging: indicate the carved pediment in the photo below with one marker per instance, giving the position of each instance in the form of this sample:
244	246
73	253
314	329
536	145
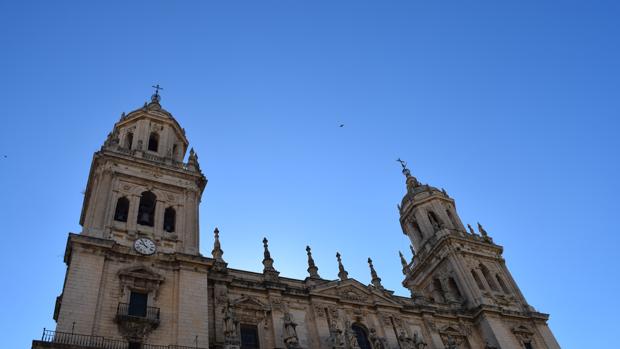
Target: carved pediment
140	272
452	330
251	303
140	278
249	309
522	332
352	290
351	293
452	337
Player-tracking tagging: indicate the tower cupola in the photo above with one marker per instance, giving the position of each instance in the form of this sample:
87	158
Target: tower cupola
425	211
150	132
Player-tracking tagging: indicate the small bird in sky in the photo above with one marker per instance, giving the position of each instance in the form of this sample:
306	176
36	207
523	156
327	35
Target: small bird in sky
341	125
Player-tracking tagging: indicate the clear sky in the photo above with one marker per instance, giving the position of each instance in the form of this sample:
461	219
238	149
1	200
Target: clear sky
511	106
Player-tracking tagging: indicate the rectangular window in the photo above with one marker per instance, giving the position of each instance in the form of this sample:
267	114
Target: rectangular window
134	345
528	345
249	337
137	304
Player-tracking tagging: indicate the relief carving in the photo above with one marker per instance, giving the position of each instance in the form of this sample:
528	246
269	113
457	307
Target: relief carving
353	295
319	310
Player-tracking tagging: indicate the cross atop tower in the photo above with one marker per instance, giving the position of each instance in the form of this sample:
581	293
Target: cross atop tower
403	163
156	97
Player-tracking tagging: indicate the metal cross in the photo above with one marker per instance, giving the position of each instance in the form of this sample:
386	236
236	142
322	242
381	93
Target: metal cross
157	88
402	163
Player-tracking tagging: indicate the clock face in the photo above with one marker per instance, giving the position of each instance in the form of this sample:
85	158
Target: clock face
144	246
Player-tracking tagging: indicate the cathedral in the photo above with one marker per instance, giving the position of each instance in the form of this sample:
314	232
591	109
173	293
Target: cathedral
136	279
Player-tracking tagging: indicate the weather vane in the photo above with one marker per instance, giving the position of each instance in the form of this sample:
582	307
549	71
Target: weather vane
403	163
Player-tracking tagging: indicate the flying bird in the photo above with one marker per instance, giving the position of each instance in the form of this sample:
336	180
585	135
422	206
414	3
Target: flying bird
341	125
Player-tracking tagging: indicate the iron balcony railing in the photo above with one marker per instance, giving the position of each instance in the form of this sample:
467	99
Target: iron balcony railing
97	342
124	311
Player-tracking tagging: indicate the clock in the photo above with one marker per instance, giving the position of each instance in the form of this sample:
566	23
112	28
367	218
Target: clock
144	246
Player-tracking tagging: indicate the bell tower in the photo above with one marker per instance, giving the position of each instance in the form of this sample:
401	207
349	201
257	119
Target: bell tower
135	275
456	268
139	186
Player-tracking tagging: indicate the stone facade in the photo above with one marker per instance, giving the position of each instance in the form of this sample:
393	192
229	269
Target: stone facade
136	279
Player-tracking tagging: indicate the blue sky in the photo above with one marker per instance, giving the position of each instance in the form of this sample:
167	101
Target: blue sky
511	106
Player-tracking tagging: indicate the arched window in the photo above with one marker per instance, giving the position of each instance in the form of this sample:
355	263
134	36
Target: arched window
153	141
170	216
362	336
122	209
501	283
175	149
454	288
477	279
129	140
488	278
435	222
146	210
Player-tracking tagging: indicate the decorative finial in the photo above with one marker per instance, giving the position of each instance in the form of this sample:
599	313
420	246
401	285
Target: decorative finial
155	98
484	234
412	252
376	280
313	270
481	230
268	270
217	249
342	274
471	230
192	161
403	262
266	246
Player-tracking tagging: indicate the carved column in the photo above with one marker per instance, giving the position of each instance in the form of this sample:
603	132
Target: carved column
478	272
132	218
158	220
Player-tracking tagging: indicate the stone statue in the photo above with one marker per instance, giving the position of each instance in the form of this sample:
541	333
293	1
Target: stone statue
375	341
336	336
405	341
418	343
351	337
230	324
290	334
451	343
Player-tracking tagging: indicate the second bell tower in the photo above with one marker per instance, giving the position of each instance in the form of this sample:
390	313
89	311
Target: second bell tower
454	267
